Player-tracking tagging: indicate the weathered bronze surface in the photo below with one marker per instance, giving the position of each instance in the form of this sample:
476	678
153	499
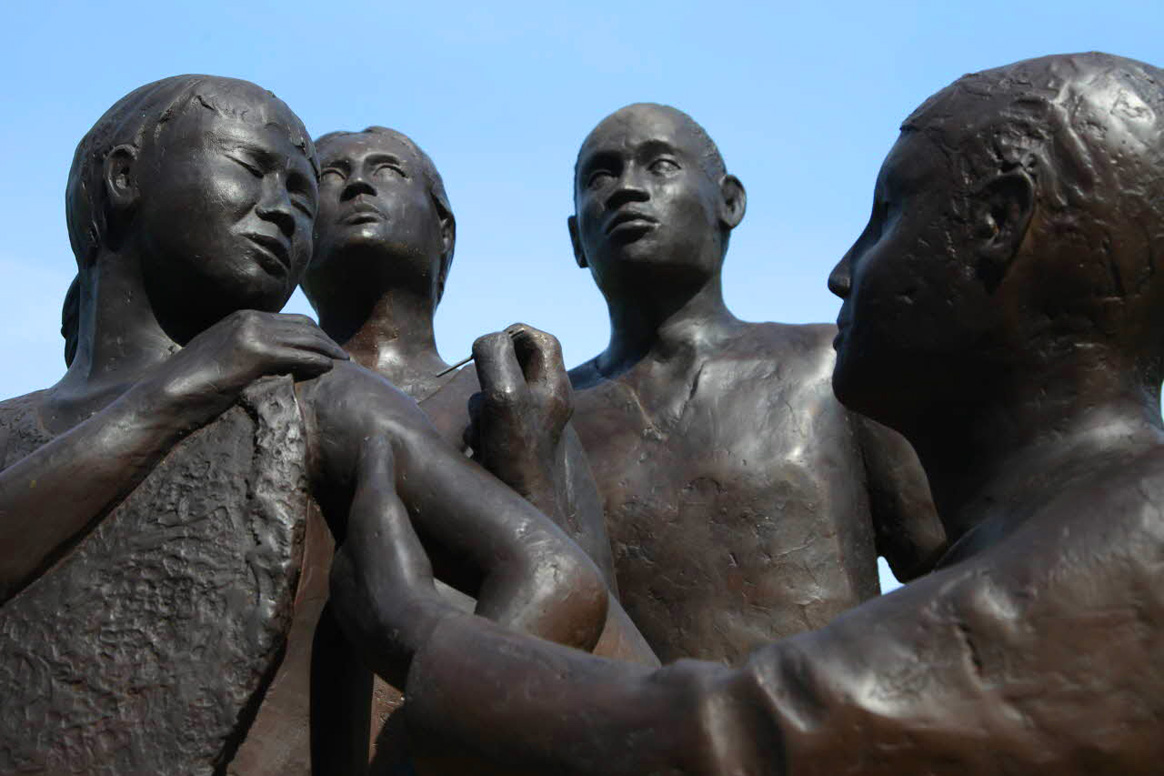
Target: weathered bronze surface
385	236
1003	310
744	502
151	480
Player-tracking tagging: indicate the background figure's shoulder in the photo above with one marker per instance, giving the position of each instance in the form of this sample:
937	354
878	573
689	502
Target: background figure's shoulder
809	339
586	375
21	430
798	348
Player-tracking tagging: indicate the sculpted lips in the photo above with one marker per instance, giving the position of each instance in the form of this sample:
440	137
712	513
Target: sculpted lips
272	248
361	213
628	220
842	325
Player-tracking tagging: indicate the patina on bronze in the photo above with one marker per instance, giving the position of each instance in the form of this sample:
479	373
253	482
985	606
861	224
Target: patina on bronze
1003	310
155	501
744	502
385	237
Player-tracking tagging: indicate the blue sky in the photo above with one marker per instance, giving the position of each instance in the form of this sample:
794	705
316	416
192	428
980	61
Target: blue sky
804	100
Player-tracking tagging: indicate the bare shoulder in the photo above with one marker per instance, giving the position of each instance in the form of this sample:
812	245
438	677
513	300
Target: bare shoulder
793	355
351	402
811	343
586	375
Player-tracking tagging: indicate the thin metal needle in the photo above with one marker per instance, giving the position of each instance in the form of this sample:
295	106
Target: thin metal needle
457	365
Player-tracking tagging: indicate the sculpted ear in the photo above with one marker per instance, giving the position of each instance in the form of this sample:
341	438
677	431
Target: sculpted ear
120	177
733	203
448	243
576	241
1002	213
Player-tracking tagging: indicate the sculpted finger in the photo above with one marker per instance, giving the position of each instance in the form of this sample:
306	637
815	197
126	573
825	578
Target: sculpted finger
540	356
497	368
310	338
300	363
305	331
471	437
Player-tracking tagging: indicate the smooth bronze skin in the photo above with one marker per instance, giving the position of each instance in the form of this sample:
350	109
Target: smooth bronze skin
162	489
743	501
385	235
1013	240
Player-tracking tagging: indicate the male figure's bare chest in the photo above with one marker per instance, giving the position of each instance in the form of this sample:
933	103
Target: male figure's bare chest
729	519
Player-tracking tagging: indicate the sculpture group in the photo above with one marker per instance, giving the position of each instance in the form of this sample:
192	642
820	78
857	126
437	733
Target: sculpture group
224	521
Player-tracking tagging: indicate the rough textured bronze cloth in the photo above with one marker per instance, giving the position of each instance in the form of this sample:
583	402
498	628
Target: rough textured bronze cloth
147	648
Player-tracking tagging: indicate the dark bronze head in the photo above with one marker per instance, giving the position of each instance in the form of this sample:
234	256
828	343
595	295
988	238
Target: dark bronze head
210	184
652	197
384	219
1017	228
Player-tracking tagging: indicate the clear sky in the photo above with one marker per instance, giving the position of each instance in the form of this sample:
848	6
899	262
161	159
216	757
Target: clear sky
804	100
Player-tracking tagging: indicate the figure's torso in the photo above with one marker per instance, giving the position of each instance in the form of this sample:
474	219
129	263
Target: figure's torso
734	493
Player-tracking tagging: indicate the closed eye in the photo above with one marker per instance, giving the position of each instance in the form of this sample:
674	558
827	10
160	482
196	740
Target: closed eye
248	165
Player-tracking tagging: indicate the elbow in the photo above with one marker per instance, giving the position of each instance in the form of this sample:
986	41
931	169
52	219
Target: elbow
560	595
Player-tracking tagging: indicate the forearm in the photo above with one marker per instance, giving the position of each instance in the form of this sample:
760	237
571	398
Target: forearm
478	692
534	578
54	493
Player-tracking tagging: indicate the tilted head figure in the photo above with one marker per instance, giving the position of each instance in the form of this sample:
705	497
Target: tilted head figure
1016	228
223	136
1003	308
714	399
384	219
652	195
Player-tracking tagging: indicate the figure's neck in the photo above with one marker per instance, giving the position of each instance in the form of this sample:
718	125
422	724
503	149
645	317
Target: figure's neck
119	337
998	461
664	323
394	335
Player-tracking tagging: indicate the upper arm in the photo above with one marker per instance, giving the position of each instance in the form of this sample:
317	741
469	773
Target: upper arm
908	533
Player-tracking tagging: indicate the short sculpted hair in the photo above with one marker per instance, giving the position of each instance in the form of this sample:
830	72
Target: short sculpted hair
137	120
1088	129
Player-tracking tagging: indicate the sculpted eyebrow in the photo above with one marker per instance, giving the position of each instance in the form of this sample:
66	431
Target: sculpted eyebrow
652	147
386	159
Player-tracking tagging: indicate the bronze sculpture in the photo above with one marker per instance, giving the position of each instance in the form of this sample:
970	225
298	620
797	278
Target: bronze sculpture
743	501
385	236
1002	309
155	501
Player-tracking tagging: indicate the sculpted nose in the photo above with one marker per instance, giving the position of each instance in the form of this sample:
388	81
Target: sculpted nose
356	185
841	279
630	188
277	208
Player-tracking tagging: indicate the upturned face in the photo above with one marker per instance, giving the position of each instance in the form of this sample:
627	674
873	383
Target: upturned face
374	200
644	199
915	315
225	209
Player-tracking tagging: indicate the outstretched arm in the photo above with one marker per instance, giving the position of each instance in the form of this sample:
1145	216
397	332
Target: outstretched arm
1038	655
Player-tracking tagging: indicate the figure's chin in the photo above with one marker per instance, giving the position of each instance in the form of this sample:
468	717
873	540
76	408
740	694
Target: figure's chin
857	393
